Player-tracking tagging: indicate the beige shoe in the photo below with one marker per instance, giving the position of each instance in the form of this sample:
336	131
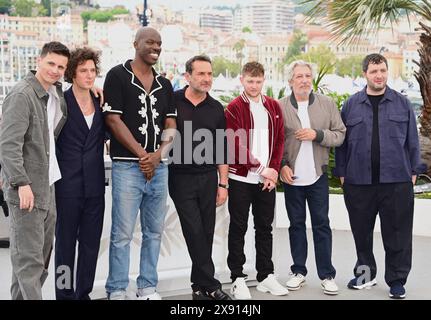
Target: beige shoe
295	282
329	286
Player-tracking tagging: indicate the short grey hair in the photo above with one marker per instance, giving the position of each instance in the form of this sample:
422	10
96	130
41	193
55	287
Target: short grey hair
291	68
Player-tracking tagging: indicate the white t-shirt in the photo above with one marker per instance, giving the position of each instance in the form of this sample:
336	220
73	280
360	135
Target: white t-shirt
53	111
305	170
260	141
89	119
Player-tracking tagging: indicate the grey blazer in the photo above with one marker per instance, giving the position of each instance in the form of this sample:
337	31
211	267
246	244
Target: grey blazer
24	140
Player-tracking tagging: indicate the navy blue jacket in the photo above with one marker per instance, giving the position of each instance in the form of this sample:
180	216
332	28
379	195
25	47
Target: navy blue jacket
80	153
399	143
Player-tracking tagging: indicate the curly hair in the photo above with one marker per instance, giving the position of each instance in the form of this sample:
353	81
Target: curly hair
78	57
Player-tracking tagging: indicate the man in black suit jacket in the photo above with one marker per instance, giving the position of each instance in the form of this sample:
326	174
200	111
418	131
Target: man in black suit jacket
80	194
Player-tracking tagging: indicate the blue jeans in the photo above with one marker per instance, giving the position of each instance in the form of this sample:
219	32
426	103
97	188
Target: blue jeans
316	195
131	193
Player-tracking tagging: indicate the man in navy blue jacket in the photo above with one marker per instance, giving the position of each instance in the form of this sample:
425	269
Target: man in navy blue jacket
80	194
378	164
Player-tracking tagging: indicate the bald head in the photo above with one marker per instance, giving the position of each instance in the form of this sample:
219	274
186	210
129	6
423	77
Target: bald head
145	32
148	45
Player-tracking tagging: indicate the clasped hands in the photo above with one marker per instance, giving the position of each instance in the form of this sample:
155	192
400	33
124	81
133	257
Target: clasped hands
148	162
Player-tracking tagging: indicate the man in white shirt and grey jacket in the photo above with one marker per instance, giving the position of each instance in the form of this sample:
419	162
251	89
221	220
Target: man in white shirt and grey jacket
312	125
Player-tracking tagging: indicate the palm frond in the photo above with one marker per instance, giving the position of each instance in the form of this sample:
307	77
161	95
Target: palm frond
349	21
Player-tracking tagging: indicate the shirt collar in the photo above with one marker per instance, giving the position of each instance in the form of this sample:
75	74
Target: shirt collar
294	103
388	95
35	84
182	92
156	75
246	99
52	91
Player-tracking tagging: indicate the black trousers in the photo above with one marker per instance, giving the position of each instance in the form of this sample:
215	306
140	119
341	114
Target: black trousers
78	219
241	196
194	196
394	203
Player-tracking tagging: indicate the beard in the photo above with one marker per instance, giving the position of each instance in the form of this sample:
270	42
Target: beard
376	87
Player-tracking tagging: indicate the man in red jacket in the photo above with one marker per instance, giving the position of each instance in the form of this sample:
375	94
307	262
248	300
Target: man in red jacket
255	134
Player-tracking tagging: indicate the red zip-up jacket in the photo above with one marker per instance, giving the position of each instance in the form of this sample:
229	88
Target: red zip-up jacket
238	116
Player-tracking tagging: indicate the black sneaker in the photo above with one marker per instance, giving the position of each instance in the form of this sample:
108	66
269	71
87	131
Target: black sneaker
199	295
219	295
358	283
397	291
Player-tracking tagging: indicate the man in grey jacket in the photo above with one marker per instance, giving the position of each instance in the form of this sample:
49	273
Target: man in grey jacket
312	125
33	114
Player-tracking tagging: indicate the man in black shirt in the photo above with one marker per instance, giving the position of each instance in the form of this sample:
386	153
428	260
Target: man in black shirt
193	181
139	106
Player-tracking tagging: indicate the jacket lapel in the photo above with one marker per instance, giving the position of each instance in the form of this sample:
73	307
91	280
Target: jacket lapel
75	112
96	120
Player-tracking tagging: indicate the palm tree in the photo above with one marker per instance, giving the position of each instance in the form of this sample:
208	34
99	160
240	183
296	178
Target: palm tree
238	47
353	19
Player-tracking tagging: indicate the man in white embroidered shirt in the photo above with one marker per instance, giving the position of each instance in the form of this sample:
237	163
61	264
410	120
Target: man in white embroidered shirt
33	114
139	108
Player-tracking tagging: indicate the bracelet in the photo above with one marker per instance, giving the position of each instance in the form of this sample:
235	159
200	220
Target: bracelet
225	186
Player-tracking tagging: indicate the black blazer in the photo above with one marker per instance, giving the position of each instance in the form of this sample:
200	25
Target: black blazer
80	153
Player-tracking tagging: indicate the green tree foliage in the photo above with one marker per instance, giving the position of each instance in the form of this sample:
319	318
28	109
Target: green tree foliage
296	46
350	66
339	100
238	47
270	93
225	67
321	55
226	99
47	5
5	6
351	20
27	8
246	30
102	16
119	10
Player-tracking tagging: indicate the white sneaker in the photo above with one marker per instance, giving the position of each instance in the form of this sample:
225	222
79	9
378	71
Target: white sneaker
295	282
271	285
152	296
239	289
329	287
117	295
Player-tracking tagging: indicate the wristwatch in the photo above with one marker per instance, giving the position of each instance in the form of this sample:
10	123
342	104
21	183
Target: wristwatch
221	185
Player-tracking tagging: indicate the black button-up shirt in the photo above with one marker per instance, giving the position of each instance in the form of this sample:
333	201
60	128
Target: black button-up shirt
144	113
